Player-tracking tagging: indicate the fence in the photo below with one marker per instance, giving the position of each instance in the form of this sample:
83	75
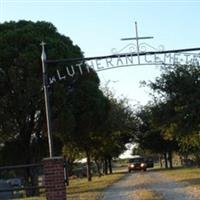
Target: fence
28	180
21	180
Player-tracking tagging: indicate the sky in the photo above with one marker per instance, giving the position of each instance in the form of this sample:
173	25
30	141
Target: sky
97	27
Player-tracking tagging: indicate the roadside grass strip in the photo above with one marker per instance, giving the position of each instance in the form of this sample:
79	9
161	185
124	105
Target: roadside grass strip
81	189
190	177
186	175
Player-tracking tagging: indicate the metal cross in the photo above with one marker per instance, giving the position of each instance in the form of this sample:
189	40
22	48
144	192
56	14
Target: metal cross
137	41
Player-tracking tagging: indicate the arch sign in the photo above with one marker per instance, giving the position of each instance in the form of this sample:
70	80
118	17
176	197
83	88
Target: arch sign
138	54
98	64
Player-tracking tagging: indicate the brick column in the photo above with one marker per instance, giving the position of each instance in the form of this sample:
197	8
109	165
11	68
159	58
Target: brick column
54	178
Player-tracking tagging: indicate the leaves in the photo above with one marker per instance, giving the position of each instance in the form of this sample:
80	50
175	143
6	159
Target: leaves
177	114
22	114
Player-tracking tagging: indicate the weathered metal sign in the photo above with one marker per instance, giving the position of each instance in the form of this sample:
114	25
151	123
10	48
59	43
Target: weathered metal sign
170	57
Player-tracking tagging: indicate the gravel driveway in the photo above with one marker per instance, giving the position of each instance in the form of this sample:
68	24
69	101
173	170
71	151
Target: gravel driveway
128	187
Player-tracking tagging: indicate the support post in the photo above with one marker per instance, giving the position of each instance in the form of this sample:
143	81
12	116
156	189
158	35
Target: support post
46	98
54	178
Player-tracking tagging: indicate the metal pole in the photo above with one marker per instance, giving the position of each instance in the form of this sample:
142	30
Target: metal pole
137	43
46	98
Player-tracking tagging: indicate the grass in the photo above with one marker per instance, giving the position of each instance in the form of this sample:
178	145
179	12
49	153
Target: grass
81	189
190	176
145	194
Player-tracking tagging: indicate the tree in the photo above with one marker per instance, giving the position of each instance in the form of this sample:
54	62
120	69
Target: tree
117	130
150	137
71	153
90	113
179	90
22	118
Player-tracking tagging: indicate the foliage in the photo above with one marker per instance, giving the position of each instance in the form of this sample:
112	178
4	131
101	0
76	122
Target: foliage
119	125
149	136
22	105
76	102
179	90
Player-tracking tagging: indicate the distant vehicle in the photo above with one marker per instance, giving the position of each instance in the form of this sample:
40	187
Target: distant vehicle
149	161
137	163
15	182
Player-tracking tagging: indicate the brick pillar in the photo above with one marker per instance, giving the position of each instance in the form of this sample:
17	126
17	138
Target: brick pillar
54	178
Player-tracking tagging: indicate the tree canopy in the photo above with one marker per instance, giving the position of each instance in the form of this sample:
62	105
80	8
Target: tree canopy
83	117
22	104
176	108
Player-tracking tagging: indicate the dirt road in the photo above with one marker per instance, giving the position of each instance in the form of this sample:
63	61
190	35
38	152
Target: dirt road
133	184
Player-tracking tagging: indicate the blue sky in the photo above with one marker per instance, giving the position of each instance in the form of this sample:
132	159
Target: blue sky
97	26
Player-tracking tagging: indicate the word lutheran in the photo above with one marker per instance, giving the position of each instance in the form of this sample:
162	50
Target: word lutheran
96	65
